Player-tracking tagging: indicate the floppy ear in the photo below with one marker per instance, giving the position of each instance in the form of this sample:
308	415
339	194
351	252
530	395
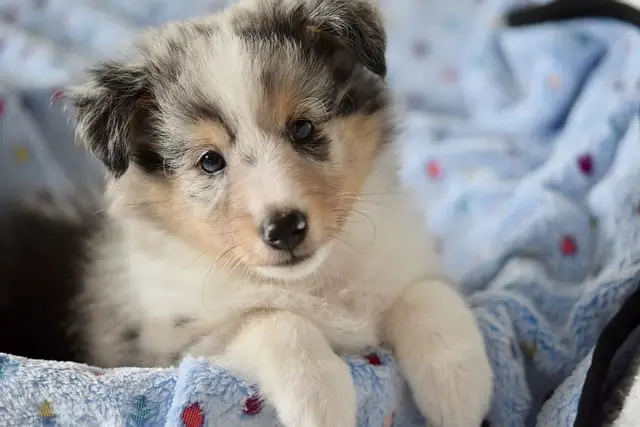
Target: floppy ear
353	24
113	112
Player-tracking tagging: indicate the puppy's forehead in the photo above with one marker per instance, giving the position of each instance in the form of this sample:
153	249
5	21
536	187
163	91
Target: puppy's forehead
234	72
258	64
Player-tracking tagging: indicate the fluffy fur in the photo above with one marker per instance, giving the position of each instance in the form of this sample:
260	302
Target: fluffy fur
180	265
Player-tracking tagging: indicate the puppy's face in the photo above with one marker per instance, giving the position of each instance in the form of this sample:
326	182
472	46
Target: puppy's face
249	134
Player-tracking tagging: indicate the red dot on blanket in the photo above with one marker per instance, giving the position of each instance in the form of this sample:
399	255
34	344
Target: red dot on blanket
192	416
434	169
2	107
585	163
252	406
373	359
568	245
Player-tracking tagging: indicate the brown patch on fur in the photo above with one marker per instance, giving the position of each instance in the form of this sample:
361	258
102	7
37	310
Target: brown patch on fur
362	136
282	105
210	134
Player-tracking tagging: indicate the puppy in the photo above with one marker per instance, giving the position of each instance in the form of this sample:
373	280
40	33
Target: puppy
254	216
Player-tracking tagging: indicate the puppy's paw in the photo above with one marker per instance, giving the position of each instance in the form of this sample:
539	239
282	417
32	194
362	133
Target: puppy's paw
318	395
441	353
454	391
296	369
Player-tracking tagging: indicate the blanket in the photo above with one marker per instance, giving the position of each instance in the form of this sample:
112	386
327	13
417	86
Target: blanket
525	144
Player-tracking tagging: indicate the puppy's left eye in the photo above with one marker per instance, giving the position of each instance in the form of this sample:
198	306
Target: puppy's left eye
212	162
301	130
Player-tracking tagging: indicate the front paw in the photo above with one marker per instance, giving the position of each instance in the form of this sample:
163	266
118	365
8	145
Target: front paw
441	353
320	394
454	391
296	369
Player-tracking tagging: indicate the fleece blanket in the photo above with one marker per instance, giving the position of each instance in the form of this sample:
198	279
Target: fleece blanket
524	143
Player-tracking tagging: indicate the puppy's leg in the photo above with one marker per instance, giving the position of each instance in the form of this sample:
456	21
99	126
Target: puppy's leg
441	353
296	369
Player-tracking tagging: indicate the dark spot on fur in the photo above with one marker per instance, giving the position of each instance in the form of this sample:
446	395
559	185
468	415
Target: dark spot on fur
363	96
42	264
204	110
150	160
182	321
341	73
317	149
274	24
131	334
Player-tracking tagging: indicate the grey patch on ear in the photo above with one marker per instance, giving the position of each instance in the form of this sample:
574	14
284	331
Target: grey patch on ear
328	28
112	110
355	24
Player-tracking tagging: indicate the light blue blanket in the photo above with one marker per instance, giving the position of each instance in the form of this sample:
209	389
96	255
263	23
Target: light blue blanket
525	143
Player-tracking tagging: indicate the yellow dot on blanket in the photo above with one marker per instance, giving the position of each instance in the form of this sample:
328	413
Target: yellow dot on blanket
530	349
21	154
46	410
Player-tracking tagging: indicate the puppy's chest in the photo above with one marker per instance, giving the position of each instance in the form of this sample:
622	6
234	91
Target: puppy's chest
173	318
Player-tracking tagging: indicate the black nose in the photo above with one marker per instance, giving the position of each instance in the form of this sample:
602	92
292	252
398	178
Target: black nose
285	230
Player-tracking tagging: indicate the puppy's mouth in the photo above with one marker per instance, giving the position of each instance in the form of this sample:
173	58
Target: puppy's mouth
295	266
293	259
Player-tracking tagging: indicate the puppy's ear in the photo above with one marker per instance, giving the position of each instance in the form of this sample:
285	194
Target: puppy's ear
113	112
353	24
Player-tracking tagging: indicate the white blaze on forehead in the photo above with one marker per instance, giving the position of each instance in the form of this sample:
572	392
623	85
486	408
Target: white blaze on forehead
227	74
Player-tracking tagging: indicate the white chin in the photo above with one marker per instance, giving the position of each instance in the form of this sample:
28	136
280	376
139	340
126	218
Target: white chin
298	271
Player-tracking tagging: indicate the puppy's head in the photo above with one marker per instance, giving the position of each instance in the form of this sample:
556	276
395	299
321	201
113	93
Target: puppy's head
248	134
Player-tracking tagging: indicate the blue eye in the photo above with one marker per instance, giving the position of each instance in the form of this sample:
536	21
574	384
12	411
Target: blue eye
212	162
301	130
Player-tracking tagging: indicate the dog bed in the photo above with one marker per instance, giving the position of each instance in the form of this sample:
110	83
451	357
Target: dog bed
525	143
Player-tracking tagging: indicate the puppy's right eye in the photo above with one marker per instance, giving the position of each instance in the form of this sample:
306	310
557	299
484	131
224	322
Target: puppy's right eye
212	162
301	131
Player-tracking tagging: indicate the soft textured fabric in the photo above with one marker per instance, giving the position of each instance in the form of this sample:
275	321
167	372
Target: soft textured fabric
524	143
